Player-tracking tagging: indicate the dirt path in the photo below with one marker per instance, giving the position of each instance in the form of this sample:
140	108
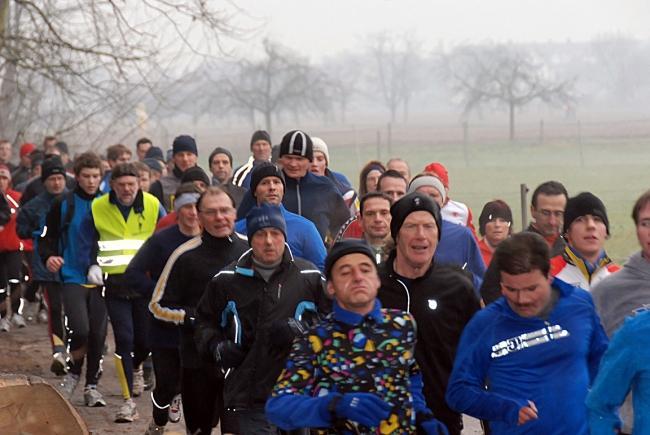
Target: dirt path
27	351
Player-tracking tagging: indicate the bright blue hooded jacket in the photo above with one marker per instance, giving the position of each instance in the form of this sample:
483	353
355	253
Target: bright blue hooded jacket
549	362
458	246
302	237
625	367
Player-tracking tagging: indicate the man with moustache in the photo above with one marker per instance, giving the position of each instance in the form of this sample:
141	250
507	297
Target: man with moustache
526	362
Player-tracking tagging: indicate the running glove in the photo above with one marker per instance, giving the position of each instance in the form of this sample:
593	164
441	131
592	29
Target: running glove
228	354
366	409
95	275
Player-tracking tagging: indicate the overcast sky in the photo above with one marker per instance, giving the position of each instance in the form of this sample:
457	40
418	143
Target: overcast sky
320	28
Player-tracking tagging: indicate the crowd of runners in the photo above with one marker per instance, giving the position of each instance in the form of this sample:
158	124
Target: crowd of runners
277	297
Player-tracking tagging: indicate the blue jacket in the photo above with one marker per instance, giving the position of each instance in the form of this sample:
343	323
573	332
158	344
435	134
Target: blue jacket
550	363
458	246
625	367
64	236
312	197
29	225
302	238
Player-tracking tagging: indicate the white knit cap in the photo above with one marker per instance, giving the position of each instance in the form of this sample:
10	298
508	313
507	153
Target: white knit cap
428	180
320	145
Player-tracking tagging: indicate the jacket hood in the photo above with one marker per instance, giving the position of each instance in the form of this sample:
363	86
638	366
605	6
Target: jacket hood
638	266
244	265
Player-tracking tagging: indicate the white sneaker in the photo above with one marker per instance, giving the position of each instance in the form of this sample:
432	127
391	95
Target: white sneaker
68	385
42	316
5	325
154	429
138	382
59	366
127	412
92	397
30	311
175	409
18	320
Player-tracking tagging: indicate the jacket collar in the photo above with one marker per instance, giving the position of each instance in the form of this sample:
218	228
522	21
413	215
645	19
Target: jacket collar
244	264
350	318
587	268
388	266
138	203
177	172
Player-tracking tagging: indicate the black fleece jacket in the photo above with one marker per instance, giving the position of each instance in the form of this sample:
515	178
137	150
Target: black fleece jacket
442	301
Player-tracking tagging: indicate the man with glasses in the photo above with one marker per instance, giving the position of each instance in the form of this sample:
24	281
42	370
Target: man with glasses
180	286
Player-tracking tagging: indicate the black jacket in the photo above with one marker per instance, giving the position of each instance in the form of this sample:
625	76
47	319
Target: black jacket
191	272
240	296
442	303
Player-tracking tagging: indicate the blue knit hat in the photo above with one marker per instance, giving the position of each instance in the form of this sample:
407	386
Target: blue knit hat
265	216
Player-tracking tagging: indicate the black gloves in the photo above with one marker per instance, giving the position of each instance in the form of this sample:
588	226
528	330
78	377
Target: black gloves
228	354
281	334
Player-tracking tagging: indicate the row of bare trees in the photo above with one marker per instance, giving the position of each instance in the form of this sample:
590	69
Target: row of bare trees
391	72
82	67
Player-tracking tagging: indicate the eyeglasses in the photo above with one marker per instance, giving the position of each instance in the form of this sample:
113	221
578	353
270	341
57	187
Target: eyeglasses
554	213
212	212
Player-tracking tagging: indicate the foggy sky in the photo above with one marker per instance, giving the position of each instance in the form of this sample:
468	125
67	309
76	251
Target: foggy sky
321	28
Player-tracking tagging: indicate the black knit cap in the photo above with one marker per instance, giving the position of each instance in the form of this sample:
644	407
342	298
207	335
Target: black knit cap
184	143
406	205
493	210
260	135
195	173
52	166
154	153
219	150
297	143
263	170
345	247
583	204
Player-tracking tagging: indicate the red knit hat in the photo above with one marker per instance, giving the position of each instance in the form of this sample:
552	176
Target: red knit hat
26	148
439	171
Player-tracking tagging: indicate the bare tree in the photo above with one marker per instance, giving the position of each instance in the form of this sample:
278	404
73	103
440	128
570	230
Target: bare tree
397	74
279	82
504	76
72	64
623	63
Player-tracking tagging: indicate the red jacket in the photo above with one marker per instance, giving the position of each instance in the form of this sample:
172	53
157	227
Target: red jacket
9	240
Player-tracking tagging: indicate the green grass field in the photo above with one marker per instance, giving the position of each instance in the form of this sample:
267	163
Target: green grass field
617	171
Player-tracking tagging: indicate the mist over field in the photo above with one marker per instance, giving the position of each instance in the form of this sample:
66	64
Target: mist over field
503	93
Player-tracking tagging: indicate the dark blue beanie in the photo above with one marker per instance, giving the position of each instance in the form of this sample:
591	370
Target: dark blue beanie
265	216
185	143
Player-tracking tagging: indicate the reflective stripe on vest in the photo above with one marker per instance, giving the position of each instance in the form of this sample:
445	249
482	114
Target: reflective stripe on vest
119	241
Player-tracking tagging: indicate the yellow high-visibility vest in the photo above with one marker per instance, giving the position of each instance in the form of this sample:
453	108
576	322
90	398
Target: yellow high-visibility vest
119	241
